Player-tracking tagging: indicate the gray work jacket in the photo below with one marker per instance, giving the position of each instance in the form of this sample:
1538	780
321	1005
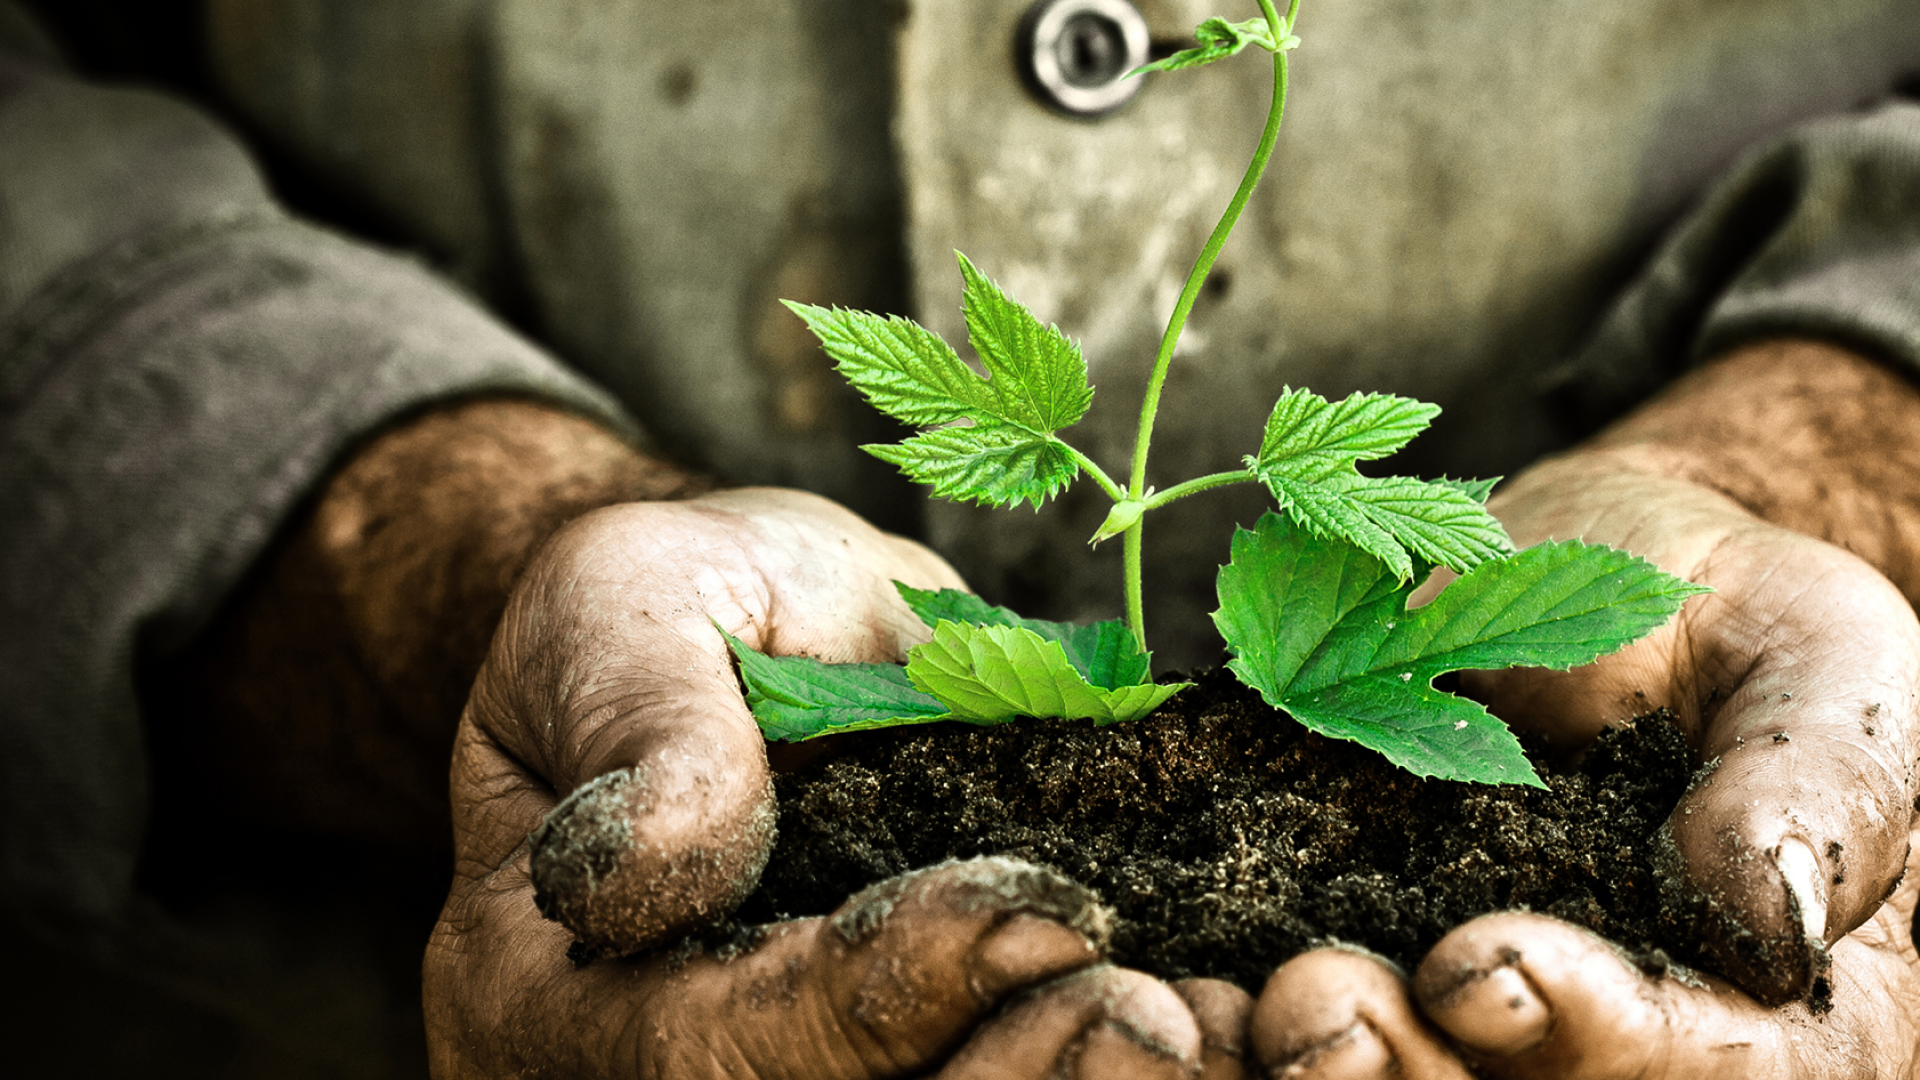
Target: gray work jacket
1468	205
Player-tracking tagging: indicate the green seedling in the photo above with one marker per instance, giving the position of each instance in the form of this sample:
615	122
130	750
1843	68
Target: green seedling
1313	604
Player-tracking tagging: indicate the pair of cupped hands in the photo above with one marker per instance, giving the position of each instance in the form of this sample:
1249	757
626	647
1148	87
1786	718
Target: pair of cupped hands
609	694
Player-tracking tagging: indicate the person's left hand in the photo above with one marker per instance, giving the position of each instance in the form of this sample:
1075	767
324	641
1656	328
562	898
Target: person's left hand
608	722
1797	678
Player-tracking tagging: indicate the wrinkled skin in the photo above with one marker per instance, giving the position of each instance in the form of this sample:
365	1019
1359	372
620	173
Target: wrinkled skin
1525	996
606	661
1798	676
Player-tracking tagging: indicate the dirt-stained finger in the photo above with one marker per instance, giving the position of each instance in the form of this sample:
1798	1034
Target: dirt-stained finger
1223	1012
1796	682
1103	1023
1795	833
610	695
886	986
602	692
1526	996
1345	1014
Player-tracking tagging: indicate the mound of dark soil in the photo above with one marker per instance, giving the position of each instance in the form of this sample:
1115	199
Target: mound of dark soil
1227	838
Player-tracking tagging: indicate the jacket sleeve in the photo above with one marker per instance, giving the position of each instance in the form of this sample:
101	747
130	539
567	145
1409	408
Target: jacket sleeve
1816	235
180	363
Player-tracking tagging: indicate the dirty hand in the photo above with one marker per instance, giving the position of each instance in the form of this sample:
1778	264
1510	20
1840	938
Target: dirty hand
609	694
1798	677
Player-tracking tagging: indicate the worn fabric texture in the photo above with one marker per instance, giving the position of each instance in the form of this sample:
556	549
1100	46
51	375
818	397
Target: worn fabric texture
1468	205
180	363
1815	235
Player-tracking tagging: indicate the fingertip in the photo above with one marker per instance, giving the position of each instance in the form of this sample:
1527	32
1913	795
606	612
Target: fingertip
1313	1001
1356	1053
979	931
1103	1023
1340	1013
1024	950
1527	992
1604	1016
1794	831
1496	1011
627	863
1743	870
1223	1012
1148	1030
1108	1052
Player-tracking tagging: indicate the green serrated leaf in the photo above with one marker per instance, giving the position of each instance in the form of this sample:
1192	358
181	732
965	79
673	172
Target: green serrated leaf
796	697
1307	460
1326	514
903	368
1106	653
1477	490
934	606
1038	375
1342	654
1002	449
995	464
1437	523
1281	593
1555	605
1310	438
1432	733
1109	655
992	674
1219	39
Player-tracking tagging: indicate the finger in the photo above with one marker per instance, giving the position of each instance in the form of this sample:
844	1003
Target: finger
1343	1014
1105	1023
624	863
1797	833
1527	996
602	687
829	578
886	986
1797	682
611	684
1796	679
618	615
1223	1011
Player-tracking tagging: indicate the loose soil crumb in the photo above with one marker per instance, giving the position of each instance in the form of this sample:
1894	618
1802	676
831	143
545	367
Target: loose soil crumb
1228	838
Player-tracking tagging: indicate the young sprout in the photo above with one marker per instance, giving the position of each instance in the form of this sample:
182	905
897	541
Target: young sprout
1313	604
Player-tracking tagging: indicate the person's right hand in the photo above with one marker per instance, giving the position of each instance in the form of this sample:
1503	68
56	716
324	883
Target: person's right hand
1766	476
609	694
1798	679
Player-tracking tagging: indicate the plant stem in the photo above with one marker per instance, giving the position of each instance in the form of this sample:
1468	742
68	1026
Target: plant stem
1130	571
1197	485
1114	491
1150	406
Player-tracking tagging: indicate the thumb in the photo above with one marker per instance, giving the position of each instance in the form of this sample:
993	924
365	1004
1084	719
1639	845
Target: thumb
1796	831
1795	682
607	724
609	683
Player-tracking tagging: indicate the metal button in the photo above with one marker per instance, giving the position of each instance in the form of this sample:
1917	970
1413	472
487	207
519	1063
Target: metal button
1075	53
